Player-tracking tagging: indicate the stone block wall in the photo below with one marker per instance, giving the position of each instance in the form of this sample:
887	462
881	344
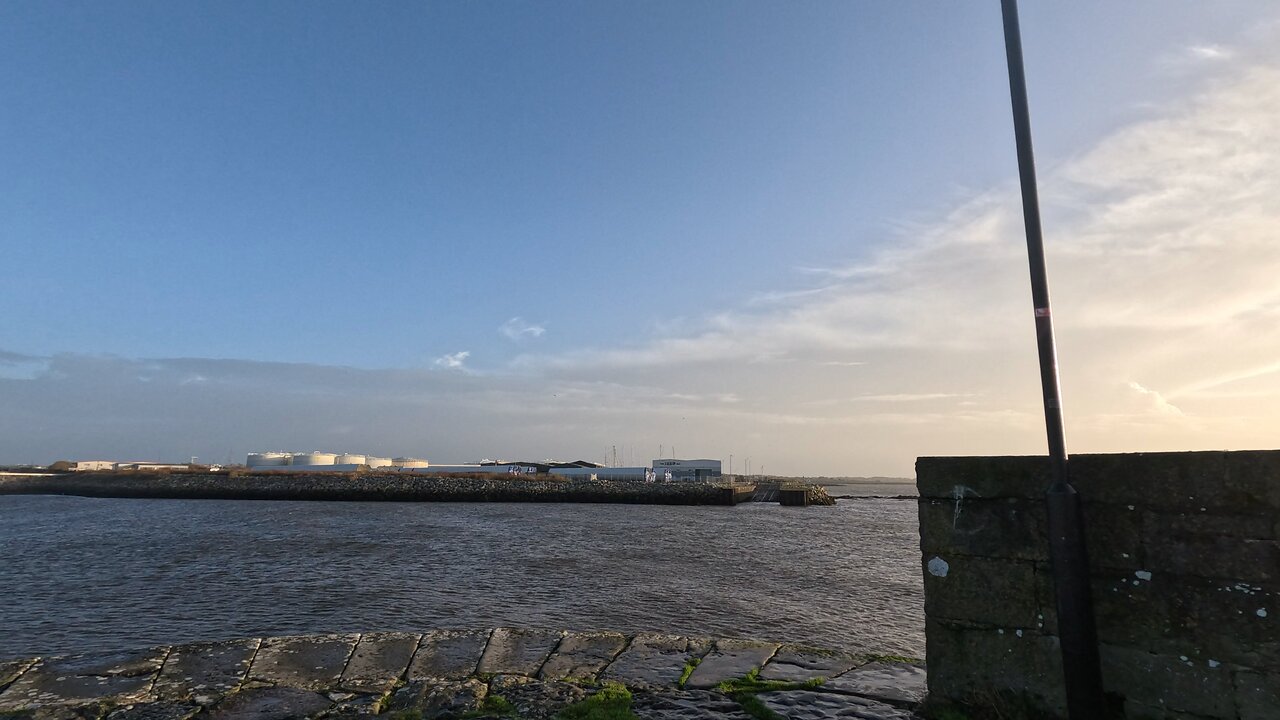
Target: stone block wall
1185	557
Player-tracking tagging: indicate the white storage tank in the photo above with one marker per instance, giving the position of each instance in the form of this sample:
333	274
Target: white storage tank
268	459
349	459
314	458
408	462
377	462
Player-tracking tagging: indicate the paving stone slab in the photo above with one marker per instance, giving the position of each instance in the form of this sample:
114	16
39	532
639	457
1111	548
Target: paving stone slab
535	699
162	710
277	703
436	698
61	712
379	660
797	663
313	662
518	652
654	660
83	678
897	683
582	655
449	654
810	705
205	668
9	671
730	659
356	706
686	705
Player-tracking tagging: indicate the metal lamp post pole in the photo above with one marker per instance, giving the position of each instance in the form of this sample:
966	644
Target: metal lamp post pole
1076	627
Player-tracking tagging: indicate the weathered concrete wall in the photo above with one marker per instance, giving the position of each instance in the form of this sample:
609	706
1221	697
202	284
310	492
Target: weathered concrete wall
1186	581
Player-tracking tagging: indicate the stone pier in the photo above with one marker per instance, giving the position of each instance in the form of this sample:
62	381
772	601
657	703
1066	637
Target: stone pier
448	673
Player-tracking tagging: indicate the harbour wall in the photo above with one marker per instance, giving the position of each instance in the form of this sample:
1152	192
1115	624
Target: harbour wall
370	486
1184	552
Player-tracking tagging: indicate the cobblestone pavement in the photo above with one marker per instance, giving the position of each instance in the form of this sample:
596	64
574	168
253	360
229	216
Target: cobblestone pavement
499	673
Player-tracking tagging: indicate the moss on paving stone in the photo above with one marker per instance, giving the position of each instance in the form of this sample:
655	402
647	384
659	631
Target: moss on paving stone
751	683
384	700
689	667
743	690
612	702
493	706
752	706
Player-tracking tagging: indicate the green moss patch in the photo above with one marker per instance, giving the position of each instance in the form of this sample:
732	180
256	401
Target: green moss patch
612	702
755	707
689	667
751	684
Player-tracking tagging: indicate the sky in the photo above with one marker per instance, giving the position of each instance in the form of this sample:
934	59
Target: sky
777	231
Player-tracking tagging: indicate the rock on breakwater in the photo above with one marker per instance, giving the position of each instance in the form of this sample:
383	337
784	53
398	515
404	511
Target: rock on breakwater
362	486
447	673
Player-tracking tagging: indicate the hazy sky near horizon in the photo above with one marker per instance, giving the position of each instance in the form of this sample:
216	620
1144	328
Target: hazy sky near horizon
789	232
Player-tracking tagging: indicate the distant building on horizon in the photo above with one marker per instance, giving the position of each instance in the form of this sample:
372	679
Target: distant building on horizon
688	469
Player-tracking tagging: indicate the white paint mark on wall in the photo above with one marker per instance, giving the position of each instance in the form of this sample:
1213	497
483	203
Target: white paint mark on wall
1214	663
938	567
1142	575
1018	633
1262	612
957	493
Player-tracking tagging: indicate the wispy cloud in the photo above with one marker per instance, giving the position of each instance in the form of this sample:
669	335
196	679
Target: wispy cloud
1229	378
517	329
1209	52
453	360
1158	401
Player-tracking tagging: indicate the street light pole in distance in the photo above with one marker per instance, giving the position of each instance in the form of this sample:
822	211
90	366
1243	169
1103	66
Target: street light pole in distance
1077	630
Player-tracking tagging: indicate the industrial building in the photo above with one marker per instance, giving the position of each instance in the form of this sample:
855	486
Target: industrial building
687	469
326	461
100	465
662	470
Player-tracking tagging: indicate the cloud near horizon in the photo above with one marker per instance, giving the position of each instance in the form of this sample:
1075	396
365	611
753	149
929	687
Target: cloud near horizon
1163	256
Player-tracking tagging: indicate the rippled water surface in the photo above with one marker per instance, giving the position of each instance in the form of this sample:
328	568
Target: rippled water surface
96	574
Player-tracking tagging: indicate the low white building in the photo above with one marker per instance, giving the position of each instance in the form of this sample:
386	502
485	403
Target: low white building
84	465
409	462
604	473
687	469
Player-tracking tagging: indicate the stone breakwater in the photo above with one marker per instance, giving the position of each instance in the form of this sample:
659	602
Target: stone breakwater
501	673
771	492
369	486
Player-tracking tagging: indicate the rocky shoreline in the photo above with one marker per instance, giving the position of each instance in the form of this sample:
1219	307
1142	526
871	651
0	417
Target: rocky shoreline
374	486
465	674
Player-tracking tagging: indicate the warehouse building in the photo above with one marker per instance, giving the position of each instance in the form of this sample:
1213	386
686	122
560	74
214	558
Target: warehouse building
687	469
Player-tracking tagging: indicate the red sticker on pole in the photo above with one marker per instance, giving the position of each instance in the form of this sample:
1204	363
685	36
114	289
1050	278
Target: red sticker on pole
1042	312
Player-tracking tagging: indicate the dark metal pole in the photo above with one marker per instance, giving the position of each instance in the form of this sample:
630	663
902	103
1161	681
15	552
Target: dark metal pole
1076	628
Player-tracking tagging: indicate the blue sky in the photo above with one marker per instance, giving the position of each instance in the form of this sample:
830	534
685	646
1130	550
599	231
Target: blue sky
552	194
